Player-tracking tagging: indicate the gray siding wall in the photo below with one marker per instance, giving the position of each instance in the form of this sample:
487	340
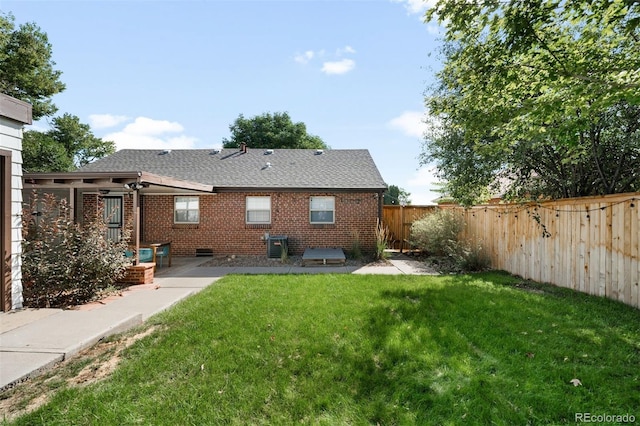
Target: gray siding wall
11	140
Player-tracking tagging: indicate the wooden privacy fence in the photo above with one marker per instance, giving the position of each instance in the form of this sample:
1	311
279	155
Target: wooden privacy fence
589	244
398	220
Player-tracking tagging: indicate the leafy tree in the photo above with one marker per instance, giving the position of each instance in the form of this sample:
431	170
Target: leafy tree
443	188
41	153
68	145
26	68
395	195
273	131
542	97
465	171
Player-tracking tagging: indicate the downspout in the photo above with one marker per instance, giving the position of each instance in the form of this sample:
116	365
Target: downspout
380	204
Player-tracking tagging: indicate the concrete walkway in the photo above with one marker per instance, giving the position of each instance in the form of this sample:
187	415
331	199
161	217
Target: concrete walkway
33	340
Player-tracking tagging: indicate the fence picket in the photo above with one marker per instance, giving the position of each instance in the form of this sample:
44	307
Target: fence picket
635	254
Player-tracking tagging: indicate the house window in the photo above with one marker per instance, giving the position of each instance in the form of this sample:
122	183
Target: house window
258	210
322	209
186	210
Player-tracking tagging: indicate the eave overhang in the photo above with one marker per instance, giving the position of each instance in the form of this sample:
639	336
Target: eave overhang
107	180
295	189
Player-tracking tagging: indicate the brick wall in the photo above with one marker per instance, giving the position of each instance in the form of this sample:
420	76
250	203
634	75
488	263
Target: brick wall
222	224
138	274
91	203
89	207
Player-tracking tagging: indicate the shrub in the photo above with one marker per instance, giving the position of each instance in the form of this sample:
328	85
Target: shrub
284	252
356	249
437	233
470	256
64	263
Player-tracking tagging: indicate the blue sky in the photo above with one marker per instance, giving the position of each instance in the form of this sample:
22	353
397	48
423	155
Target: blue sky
176	74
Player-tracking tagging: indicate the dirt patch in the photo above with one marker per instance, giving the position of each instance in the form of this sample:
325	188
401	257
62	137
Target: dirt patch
529	287
94	364
103	366
436	264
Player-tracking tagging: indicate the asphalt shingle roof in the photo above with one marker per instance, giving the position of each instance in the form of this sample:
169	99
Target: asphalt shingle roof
256	168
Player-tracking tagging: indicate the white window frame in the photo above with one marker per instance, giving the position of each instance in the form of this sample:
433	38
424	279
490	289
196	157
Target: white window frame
258	207
316	209
191	201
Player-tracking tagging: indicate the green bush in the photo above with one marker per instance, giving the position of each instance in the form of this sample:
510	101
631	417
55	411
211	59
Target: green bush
64	263
470	256
437	233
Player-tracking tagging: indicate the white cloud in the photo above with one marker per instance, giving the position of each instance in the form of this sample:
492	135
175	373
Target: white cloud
338	67
147	133
416	6
149	126
304	58
411	123
344	50
103	121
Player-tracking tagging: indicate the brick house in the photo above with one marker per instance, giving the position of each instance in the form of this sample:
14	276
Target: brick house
228	201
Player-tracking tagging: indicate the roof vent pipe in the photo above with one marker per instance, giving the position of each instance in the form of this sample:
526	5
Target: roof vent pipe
243	147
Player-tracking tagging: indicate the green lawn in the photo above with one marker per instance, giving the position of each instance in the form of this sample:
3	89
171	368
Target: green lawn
352	349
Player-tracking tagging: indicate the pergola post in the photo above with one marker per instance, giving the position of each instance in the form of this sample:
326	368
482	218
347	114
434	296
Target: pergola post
136	224
72	203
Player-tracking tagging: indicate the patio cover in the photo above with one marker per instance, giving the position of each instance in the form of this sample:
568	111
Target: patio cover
110	180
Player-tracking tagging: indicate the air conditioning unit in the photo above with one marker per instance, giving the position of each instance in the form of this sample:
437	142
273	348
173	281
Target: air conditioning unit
276	245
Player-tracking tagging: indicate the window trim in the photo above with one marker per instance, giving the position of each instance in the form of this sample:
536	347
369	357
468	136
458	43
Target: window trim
175	210
246	210
311	210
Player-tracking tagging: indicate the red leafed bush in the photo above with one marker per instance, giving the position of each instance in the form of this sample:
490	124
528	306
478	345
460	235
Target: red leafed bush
64	263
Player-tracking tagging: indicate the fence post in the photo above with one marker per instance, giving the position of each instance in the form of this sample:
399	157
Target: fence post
401	227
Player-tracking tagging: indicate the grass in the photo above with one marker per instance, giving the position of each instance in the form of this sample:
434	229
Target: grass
351	349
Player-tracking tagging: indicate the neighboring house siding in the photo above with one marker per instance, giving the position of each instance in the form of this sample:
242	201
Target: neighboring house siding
11	141
14	114
222	225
